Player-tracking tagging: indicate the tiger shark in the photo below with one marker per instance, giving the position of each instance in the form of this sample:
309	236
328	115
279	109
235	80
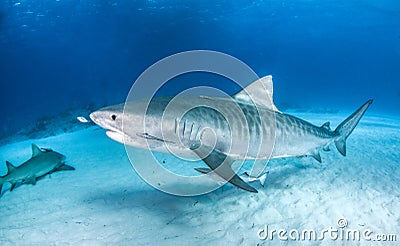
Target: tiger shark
250	127
43	162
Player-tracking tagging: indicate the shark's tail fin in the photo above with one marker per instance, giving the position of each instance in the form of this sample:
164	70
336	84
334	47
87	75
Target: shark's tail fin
344	130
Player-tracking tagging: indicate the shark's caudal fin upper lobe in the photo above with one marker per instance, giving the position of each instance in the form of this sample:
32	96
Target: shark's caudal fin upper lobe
344	130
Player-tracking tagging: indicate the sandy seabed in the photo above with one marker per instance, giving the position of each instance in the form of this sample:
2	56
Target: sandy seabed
104	201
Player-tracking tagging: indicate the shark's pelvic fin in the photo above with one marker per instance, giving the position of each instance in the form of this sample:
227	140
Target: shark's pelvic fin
222	166
344	130
261	178
260	92
35	150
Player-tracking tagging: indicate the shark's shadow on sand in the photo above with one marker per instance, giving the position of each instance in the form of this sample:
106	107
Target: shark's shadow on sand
156	202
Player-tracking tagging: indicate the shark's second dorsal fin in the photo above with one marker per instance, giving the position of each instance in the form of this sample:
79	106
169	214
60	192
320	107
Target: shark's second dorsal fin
327	126
10	168
35	150
260	92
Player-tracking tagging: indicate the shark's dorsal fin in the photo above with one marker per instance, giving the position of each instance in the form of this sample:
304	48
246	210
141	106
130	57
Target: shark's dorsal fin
10	167
261	92
36	150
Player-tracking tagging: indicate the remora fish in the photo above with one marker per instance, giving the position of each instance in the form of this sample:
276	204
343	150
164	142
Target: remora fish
42	162
266	128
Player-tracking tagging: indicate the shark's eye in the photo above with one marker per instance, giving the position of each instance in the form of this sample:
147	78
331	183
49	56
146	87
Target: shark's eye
113	117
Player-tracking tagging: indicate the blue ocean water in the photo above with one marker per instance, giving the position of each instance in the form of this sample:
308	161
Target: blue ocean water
60	59
58	55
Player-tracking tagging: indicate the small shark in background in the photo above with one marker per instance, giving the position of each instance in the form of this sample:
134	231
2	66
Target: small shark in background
266	126
43	162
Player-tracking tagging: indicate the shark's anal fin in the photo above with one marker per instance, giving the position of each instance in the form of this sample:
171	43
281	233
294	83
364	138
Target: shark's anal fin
221	165
326	148
316	155
13	185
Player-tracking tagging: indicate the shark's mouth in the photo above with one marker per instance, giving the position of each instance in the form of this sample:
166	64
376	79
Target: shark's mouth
116	136
124	138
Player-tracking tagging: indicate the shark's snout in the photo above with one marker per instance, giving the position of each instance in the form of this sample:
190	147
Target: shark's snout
93	117
101	119
107	119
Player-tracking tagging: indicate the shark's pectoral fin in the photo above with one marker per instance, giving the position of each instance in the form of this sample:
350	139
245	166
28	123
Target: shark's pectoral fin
211	174
64	167
221	165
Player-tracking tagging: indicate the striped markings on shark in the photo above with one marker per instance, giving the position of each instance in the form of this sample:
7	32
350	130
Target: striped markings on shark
43	162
